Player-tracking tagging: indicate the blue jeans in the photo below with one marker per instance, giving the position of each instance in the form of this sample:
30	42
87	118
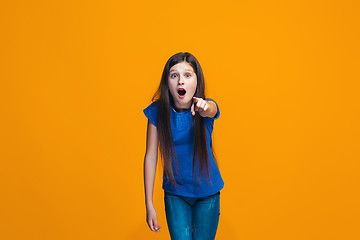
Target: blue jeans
190	218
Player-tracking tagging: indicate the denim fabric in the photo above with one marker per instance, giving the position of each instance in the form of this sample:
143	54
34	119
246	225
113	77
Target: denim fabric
192	218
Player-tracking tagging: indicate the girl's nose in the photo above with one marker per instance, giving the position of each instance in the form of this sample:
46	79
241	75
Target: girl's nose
181	80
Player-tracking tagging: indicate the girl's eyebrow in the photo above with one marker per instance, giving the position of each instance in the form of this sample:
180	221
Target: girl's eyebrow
186	70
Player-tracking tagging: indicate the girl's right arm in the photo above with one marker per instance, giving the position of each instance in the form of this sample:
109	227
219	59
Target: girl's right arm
150	161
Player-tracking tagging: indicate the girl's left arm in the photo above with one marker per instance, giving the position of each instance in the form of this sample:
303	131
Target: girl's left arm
212	109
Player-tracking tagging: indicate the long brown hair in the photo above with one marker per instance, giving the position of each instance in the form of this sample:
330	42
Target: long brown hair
164	101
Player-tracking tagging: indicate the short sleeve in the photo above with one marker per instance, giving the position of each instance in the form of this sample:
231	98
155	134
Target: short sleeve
217	115
151	113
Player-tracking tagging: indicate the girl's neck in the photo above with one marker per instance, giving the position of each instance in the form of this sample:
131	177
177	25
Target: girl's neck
181	107
179	110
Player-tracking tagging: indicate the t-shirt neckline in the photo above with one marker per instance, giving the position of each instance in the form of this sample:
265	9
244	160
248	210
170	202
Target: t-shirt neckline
187	110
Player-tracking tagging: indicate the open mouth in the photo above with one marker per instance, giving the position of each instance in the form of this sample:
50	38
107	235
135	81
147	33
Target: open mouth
181	92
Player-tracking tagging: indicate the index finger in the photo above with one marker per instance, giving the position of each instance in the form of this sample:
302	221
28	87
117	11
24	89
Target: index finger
192	109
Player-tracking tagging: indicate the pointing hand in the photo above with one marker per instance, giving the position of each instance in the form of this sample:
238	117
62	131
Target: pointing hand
200	105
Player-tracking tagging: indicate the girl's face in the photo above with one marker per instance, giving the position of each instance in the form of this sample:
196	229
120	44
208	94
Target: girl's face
182	84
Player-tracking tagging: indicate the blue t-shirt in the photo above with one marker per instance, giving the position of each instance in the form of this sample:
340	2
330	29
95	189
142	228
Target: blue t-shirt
183	138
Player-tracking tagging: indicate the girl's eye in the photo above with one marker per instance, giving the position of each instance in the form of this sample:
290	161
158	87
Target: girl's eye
187	75
173	75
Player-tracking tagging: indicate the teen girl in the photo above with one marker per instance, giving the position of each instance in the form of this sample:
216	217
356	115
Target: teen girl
180	122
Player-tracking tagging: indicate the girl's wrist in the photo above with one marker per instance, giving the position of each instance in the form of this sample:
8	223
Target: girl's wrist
212	108
149	205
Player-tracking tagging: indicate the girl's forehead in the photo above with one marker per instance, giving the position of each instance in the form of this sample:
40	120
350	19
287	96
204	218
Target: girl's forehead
184	66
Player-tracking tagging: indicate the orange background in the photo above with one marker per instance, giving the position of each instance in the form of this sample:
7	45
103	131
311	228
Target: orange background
76	75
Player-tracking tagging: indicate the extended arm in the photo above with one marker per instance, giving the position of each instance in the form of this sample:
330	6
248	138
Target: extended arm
212	110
